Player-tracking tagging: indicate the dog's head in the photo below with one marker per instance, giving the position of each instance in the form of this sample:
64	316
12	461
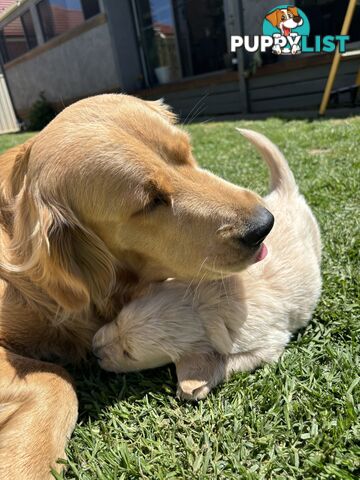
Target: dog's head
285	19
110	189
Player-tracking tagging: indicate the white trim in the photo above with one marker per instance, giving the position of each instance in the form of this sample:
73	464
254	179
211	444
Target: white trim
8	122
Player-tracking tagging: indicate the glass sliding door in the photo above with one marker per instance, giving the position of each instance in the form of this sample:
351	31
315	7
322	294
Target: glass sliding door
182	38
158	38
201	35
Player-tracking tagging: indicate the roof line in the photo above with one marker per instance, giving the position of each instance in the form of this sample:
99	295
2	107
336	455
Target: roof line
11	8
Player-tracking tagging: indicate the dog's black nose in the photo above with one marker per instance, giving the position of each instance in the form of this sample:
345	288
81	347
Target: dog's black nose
297	19
259	228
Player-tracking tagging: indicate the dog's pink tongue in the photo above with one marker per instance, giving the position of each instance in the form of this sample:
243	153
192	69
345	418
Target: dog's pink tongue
262	253
286	31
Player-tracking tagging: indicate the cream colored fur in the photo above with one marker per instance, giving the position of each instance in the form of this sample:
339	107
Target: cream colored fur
96	211
103	202
212	329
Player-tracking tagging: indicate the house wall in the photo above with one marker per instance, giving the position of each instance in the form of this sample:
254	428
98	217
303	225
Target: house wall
217	100
80	66
218	94
298	89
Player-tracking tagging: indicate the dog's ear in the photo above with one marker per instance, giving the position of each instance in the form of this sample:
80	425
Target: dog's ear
274	17
294	11
51	247
20	166
163	110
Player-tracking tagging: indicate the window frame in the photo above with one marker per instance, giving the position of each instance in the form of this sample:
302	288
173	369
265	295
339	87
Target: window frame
25	30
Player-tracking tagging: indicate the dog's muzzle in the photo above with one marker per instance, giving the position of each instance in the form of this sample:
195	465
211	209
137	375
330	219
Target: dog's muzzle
259	228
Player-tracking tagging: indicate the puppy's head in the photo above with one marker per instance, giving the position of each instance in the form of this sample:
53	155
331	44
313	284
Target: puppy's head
285	19
112	180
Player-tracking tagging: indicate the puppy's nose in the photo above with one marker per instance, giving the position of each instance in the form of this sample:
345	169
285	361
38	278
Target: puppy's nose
297	19
259	228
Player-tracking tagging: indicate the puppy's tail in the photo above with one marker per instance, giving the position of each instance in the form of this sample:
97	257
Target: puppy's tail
281	178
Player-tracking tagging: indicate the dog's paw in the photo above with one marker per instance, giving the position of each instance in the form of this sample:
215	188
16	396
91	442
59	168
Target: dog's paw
276	49
198	374
107	348
193	390
295	50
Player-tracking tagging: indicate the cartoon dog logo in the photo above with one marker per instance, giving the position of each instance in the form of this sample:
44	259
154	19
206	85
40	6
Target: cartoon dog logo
286	20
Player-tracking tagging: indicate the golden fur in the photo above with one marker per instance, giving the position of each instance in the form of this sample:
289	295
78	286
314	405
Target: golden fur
106	200
212	329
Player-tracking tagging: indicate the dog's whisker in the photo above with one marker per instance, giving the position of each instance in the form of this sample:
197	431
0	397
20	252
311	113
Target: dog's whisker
224	285
192	280
198	112
197	287
194	108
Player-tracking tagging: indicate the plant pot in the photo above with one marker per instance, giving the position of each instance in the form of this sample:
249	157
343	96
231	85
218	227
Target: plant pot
163	74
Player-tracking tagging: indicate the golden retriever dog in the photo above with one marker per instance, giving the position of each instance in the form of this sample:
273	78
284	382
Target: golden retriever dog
101	204
212	329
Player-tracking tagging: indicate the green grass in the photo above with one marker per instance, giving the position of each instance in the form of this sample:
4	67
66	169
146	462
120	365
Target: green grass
297	419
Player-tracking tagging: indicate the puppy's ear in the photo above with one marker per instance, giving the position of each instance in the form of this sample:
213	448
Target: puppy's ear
274	18
294	11
20	166
163	110
57	253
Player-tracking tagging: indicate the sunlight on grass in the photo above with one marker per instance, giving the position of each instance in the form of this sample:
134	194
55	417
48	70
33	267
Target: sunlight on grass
294	420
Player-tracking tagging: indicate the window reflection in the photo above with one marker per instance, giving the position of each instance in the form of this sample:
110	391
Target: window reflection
202	35
182	37
58	16
29	30
13	40
327	16
157	28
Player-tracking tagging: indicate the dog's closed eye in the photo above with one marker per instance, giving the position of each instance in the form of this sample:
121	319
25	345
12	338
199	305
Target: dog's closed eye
159	200
128	355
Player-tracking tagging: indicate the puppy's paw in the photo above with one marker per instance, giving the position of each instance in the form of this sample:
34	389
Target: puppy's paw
108	349
193	390
198	374
276	50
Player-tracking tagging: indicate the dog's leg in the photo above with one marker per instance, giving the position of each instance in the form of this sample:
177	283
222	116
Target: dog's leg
251	360
38	411
199	373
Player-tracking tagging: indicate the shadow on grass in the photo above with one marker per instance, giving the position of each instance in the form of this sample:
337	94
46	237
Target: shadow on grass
98	389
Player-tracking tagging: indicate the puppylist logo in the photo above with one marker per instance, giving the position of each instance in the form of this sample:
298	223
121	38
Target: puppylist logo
286	31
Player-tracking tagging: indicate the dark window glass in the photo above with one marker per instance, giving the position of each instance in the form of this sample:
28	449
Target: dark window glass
29	30
90	8
327	16
3	52
46	19
157	28
13	41
201	35
58	16
182	36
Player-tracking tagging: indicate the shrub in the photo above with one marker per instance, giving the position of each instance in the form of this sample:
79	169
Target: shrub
41	113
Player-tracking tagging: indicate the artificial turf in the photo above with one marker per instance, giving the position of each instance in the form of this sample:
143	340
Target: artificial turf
297	419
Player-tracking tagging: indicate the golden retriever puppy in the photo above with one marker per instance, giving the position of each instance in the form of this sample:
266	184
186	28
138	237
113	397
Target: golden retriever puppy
211	329
104	201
